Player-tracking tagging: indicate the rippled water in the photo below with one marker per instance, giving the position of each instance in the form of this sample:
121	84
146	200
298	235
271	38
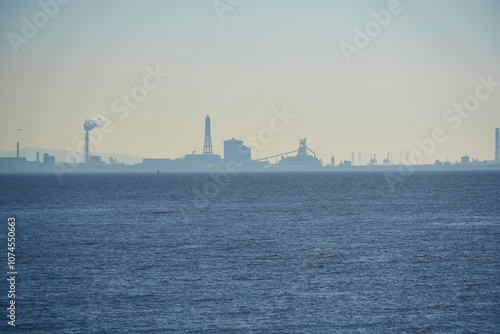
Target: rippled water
255	253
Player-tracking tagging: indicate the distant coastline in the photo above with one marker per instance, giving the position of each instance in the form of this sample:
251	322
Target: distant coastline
22	166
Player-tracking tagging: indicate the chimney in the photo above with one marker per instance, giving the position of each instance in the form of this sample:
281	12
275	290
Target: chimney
18	150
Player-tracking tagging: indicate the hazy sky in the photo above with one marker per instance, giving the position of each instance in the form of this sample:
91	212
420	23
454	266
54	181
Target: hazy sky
264	55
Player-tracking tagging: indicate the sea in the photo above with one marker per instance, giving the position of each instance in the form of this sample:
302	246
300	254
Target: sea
284	252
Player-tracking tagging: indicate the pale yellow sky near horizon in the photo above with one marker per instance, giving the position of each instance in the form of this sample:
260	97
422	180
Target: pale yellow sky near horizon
261	57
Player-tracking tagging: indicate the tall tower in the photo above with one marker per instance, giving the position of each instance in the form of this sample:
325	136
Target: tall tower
18	150
497	144
207	147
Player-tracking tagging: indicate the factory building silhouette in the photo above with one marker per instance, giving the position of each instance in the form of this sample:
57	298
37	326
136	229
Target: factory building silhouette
194	162
303	158
235	150
236	155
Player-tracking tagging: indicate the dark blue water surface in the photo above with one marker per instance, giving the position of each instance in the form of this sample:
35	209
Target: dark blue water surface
254	253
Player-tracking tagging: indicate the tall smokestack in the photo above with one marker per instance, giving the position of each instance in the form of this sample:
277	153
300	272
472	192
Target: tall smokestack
86	146
89	125
207	147
497	145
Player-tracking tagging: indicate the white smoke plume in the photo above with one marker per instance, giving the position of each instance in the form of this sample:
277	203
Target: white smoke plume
93	122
